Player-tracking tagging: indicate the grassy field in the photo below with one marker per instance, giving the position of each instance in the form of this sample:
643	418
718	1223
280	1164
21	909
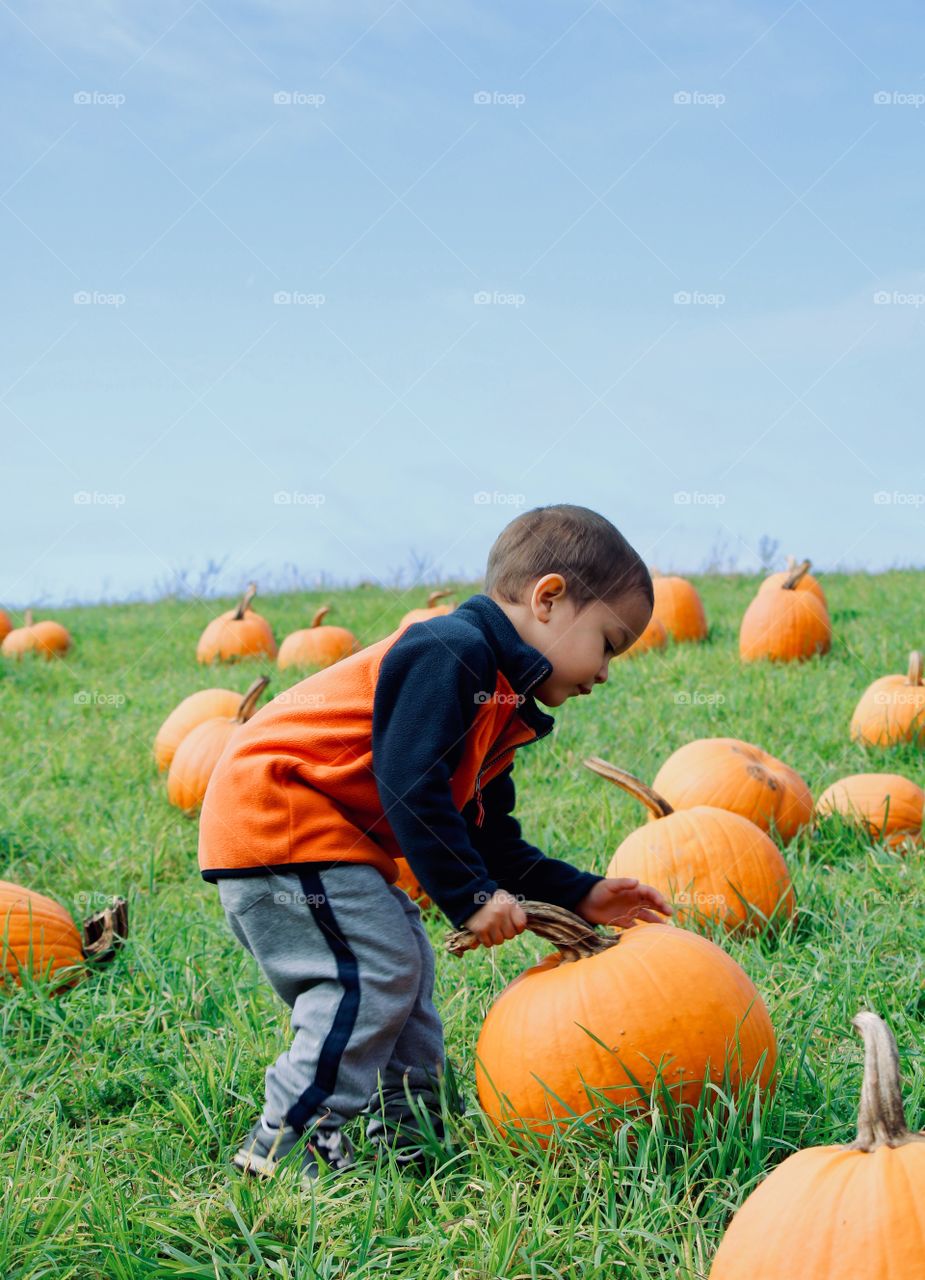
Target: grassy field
124	1098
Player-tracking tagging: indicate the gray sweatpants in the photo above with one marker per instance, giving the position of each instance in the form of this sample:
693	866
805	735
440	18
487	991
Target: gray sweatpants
348	953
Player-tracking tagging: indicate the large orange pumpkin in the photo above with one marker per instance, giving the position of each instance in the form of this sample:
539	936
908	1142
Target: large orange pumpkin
740	777
671	1009
654	636
205	704
198	752
431	610
38	936
239	633
784	624
806	583
679	607
887	804
6	624
49	639
841	1213
317	645
710	864
892	709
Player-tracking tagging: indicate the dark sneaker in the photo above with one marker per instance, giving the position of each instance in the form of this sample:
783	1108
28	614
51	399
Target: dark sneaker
326	1148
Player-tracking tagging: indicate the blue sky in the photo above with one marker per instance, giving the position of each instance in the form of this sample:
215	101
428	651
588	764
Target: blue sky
661	260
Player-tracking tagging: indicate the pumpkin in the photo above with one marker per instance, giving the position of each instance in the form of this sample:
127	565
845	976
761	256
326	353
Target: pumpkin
888	805
432	610
740	777
206	704
408	881
892	709
38	936
785	624
806	583
855	1212
49	639
239	633
712	865
654	636
672	1009
198	752
6	624
317	645
679	607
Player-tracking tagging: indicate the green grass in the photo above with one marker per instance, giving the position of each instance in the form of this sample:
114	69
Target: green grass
124	1097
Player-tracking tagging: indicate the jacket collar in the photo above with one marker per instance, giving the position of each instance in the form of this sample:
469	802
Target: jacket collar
522	664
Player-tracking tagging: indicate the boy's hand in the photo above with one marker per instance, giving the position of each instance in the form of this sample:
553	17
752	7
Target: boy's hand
502	917
622	901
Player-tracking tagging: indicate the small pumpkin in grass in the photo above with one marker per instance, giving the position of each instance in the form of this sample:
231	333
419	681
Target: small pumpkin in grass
205	704
806	583
892	709
711	865
408	881
887	804
317	645
625	1016
48	639
198	753
38	936
432	610
740	777
239	633
655	636
6	624
679	607
842	1213
784	624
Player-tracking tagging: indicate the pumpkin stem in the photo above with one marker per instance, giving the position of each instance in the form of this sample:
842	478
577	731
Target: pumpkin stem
915	667
657	805
881	1117
795	574
27	618
574	937
435	596
322	612
245	601
104	933
249	701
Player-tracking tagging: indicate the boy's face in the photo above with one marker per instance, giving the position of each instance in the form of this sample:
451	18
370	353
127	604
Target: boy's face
579	645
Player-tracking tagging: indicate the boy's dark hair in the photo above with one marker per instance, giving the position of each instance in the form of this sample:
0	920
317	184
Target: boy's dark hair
592	555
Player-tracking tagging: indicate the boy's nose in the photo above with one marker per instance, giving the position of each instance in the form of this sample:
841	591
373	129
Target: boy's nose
601	677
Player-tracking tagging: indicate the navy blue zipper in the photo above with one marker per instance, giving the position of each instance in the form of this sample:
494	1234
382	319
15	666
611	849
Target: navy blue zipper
480	809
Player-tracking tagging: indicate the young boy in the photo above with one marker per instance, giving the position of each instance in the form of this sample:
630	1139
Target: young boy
406	749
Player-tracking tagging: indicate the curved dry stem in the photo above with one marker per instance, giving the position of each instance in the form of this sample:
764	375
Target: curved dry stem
914	675
249	701
573	937
657	805
245	601
435	596
104	933
795	576
27	618
320	615
881	1117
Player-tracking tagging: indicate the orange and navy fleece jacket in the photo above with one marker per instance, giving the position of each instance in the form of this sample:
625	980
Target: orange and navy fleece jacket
405	749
